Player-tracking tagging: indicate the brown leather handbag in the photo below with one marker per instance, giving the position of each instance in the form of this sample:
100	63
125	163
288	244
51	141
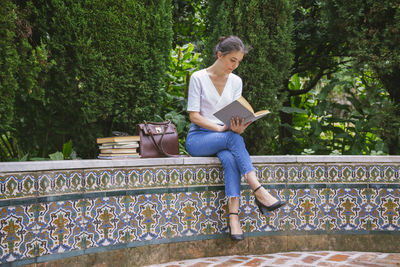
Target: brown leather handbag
158	139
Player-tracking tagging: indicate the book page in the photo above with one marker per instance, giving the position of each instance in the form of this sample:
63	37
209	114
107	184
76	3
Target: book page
245	103
262	112
235	109
239	108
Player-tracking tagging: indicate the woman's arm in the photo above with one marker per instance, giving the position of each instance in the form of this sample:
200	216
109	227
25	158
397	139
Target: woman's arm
199	120
237	125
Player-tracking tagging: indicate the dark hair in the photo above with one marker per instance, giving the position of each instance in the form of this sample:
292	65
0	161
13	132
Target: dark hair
228	44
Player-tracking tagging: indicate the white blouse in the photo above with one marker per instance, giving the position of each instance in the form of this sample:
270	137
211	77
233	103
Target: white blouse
204	98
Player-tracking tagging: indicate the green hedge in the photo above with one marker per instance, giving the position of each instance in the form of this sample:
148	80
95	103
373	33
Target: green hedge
105	69
267	27
9	62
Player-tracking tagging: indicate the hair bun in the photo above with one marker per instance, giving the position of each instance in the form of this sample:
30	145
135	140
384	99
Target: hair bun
228	44
222	38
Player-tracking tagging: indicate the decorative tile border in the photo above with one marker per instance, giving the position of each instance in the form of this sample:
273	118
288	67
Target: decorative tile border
59	213
81	222
22	185
13	186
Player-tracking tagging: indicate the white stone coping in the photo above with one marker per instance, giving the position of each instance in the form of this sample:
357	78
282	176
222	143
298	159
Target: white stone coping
28	166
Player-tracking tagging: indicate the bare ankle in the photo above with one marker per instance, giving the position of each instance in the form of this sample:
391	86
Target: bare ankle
265	197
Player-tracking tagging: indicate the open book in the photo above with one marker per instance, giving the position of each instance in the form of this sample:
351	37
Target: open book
239	108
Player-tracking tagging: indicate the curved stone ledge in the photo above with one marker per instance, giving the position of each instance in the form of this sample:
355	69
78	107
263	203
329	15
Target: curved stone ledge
28	166
64	211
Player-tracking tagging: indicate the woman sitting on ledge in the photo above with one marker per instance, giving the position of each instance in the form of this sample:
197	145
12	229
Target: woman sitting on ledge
211	89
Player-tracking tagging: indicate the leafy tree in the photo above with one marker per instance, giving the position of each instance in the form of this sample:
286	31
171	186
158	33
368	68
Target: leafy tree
344	115
331	33
188	21
319	51
267	27
372	31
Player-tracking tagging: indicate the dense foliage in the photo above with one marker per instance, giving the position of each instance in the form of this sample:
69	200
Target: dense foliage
267	27
332	38
343	115
71	71
372	31
108	62
318	52
21	64
183	61
8	65
188	21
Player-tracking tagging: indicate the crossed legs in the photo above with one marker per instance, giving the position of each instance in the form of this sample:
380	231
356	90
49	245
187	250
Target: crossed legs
231	150
233	202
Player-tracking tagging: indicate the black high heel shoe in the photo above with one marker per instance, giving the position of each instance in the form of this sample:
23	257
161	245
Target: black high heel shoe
235	237
263	208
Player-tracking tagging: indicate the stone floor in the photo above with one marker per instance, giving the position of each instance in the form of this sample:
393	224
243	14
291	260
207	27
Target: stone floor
315	258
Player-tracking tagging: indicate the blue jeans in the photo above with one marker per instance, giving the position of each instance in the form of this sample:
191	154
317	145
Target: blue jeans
229	148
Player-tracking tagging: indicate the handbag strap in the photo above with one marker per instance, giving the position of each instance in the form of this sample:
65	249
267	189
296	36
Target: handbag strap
159	146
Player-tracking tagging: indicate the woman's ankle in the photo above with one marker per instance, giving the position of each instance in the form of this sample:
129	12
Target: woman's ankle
252	180
234	224
265	197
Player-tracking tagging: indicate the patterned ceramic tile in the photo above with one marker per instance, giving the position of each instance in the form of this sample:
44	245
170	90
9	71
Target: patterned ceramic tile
349	173
133	178
309	174
391	173
215	175
174	177
384	174
272	173
67	182
188	176
54	227
201	175
18	225
92	180
387	205
342	209
120	180
47	213
18	185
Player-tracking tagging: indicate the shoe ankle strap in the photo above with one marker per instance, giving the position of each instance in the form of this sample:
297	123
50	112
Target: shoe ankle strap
233	213
257	188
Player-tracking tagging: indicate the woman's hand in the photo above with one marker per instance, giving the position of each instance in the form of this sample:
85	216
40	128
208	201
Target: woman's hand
238	126
223	128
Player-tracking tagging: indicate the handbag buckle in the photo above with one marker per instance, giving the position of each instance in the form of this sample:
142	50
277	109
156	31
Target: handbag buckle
158	129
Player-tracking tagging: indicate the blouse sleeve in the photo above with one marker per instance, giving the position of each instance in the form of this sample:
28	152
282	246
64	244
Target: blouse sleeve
194	94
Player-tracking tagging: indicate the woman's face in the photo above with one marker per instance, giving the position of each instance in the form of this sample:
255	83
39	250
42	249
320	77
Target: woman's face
231	60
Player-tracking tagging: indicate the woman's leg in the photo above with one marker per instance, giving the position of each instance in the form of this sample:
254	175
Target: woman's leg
231	173
232	189
237	148
262	194
207	143
234	222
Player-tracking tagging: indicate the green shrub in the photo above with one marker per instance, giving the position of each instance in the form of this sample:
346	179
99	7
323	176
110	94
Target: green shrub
9	62
183	61
267	27
109	60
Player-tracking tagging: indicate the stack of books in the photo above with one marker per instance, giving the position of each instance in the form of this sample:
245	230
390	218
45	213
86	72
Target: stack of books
119	147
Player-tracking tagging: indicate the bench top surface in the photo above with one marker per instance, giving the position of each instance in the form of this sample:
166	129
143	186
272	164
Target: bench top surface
26	166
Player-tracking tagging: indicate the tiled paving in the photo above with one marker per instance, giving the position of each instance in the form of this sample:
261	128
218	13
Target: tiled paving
298	259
